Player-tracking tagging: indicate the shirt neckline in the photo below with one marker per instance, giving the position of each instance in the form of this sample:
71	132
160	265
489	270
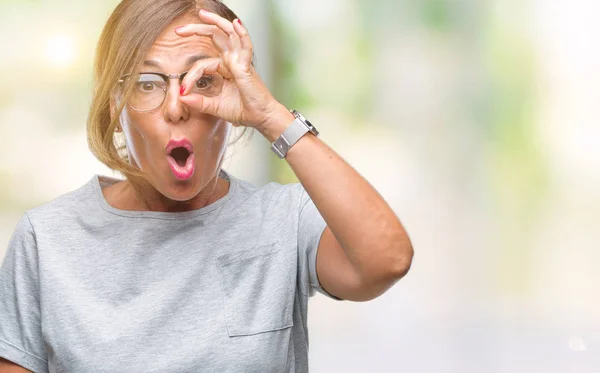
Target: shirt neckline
99	180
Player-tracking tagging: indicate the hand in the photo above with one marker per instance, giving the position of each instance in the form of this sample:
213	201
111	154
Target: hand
243	99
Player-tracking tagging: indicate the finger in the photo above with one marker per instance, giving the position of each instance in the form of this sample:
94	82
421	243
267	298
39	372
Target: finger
245	41
207	105
208	66
219	38
223	24
215	19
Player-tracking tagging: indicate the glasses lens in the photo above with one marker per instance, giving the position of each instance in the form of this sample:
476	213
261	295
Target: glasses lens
148	92
208	85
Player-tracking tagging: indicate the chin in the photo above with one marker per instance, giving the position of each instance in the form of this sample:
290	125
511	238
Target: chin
178	190
182	194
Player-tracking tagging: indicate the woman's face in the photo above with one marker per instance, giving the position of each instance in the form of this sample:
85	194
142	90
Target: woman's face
176	175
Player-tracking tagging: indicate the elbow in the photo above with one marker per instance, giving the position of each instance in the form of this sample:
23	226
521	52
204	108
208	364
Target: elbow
402	263
376	284
398	266
398	253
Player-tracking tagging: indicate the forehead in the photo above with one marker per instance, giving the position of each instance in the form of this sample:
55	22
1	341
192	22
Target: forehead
171	52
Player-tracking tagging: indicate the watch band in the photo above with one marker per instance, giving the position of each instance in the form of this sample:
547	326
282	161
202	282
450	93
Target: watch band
294	132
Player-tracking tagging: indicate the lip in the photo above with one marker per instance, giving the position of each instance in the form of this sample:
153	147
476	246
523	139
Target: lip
184	143
186	171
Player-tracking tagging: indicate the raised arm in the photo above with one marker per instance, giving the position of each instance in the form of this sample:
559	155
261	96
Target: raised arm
364	249
10	367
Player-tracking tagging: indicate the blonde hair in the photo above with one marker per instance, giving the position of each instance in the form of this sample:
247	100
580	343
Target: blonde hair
125	40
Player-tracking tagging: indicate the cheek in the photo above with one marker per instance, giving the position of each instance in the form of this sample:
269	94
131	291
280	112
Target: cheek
220	135
221	130
139	133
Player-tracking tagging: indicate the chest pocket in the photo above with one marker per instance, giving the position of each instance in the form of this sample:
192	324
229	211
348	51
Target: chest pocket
258	289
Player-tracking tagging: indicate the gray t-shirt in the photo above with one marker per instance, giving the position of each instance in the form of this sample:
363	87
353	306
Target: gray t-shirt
86	287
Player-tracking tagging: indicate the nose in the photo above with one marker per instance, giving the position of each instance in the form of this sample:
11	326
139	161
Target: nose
174	110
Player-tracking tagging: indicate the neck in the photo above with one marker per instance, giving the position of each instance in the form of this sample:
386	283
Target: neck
147	198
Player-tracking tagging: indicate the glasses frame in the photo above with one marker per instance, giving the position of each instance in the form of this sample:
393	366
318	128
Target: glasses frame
166	77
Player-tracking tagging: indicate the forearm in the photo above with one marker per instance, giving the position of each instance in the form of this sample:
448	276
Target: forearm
362	222
10	367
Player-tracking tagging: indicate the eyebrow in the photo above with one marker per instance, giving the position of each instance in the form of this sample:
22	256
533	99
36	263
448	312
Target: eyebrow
190	61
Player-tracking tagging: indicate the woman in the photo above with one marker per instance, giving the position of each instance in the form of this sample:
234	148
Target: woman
181	267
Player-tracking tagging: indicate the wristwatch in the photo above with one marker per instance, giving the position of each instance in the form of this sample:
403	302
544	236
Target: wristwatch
299	127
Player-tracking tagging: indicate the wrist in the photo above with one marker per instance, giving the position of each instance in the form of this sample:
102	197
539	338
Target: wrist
276	123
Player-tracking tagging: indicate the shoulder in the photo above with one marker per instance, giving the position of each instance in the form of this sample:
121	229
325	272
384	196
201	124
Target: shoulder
68	205
272	194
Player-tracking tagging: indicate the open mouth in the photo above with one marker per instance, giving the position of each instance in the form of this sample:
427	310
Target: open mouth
181	161
180	155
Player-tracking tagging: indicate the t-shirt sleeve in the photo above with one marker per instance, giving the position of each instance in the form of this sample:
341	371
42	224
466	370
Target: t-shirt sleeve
20	324
310	229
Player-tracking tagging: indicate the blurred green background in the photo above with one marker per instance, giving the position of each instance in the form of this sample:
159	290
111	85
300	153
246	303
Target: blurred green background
476	120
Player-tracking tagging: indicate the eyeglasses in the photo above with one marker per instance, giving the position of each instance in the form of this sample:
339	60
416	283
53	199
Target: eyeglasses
150	89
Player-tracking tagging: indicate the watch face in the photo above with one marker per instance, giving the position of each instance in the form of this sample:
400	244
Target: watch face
298	115
310	126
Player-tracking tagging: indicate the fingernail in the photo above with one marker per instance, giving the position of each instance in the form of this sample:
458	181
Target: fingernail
239	21
182	89
177	29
